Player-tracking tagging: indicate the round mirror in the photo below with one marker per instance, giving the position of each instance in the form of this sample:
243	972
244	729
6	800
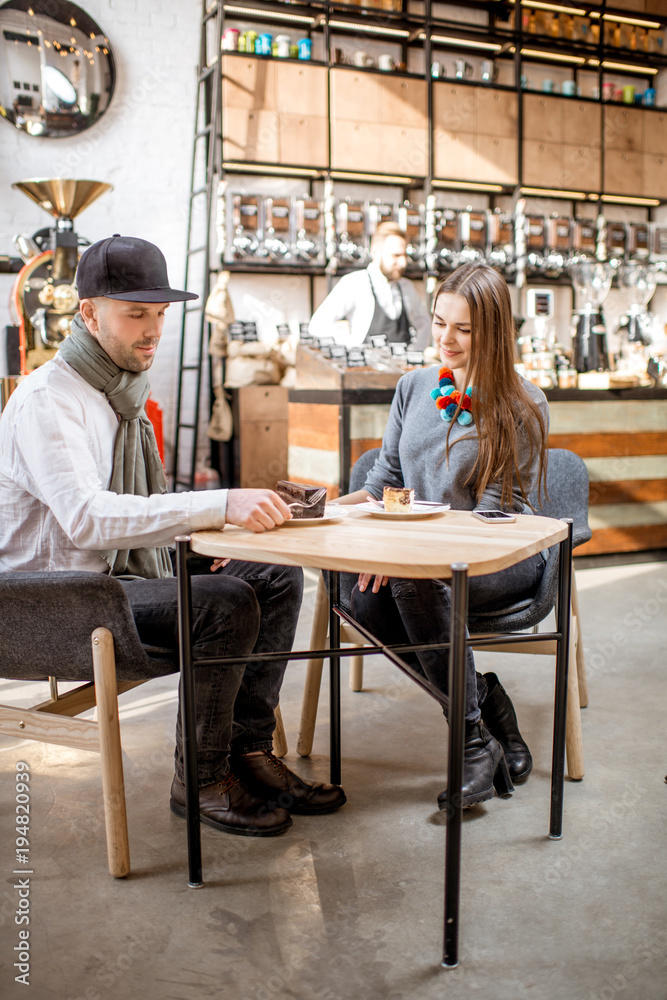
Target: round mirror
58	69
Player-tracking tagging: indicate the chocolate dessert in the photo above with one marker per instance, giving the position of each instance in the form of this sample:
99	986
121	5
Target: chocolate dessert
309	500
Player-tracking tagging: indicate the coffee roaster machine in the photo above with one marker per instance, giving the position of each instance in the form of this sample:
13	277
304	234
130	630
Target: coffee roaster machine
44	298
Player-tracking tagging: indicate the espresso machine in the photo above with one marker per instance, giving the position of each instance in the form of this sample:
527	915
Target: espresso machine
637	280
44	295
592	281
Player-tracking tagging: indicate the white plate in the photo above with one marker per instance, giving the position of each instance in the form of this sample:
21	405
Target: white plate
332	512
421	509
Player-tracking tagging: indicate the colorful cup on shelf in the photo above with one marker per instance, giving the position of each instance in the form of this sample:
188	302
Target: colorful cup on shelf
487	71
247	41
568	88
230	39
462	69
305	48
608	91
263	44
363	59
628	94
649	98
437	69
283	43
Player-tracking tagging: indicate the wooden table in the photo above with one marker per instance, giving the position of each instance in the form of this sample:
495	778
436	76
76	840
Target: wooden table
453	545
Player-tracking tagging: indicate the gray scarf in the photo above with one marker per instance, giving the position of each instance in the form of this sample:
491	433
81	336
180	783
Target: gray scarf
137	468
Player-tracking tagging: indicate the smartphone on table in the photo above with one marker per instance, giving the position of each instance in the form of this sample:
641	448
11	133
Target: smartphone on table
494	516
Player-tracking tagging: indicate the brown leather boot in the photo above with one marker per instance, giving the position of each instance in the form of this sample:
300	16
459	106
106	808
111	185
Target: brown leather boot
267	777
228	806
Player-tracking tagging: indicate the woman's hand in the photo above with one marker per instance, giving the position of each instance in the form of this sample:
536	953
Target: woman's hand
359	496
365	579
219	564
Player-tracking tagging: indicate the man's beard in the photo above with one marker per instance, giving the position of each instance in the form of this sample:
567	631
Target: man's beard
123	355
393	274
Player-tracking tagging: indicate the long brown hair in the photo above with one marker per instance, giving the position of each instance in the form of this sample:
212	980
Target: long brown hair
500	404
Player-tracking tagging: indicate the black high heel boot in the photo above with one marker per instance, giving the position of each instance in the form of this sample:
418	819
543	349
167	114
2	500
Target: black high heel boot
484	768
499	718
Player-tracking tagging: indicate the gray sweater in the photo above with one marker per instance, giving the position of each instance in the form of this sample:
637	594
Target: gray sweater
413	450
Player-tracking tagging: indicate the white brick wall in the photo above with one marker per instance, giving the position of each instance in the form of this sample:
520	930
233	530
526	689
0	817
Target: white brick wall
142	146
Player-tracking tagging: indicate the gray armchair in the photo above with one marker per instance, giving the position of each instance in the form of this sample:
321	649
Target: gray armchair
567	489
76	626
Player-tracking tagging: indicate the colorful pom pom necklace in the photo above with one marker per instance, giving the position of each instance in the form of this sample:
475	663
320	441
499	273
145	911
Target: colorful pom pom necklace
448	398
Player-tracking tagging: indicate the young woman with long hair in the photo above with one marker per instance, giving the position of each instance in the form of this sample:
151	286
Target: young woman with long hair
472	433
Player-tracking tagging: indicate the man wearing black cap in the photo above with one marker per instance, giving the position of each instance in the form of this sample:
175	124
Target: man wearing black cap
82	488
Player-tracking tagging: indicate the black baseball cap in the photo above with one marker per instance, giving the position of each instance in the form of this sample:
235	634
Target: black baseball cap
125	267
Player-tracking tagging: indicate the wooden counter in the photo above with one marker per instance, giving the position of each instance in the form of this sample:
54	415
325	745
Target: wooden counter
620	433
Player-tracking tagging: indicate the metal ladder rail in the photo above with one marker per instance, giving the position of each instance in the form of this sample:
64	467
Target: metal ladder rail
209	101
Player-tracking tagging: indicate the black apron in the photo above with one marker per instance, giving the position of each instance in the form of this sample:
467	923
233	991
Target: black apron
397	331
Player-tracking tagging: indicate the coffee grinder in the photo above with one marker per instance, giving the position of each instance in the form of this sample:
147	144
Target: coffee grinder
592	281
637	281
44	295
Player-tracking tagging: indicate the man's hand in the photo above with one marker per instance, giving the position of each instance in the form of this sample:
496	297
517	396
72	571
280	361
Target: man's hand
365	579
257	510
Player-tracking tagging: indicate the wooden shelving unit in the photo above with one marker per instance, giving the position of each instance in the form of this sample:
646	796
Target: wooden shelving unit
320	120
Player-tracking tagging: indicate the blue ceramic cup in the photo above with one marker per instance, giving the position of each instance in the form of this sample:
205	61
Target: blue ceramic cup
305	48
264	42
649	97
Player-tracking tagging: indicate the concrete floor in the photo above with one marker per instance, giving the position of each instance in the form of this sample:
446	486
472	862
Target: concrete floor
349	906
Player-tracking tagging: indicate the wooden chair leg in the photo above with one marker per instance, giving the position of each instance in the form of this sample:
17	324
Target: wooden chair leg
311	690
574	745
113	788
581	664
279	738
356	673
311	697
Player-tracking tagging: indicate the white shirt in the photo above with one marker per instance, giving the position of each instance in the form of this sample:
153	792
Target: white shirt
57	438
352	299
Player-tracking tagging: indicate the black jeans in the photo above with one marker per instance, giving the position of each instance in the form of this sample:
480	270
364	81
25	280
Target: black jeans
244	608
419	611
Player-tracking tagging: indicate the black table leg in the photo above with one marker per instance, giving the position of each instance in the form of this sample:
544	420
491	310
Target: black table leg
457	694
562	667
188	718
334	682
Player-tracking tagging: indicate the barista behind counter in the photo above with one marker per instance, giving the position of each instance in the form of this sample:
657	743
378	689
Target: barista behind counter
376	300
